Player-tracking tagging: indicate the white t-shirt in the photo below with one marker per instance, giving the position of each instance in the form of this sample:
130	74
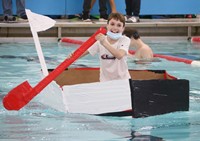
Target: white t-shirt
110	67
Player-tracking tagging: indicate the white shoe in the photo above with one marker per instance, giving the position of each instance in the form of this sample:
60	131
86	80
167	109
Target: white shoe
21	20
86	17
126	17
102	20
87	20
133	19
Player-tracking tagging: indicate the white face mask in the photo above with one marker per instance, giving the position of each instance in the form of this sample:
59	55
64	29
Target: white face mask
114	36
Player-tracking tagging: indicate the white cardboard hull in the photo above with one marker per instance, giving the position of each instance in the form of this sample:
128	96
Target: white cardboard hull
99	97
148	93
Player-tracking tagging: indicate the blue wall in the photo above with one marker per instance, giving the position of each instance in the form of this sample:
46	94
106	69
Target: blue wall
148	7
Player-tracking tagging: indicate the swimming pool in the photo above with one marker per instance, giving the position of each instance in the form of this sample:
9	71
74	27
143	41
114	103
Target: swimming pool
18	62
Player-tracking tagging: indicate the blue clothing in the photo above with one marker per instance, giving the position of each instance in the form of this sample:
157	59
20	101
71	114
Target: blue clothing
7	7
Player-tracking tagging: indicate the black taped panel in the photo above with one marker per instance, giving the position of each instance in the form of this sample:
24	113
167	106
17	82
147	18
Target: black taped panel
155	97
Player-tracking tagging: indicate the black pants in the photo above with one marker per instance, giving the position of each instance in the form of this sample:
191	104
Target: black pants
133	7
102	7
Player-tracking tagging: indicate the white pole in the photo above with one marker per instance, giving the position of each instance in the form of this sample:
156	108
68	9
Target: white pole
39	52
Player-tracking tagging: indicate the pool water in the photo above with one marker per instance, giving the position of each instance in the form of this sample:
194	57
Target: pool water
18	62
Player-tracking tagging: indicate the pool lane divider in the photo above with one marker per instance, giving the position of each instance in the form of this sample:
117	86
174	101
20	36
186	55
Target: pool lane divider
177	59
167	57
21	95
72	41
195	39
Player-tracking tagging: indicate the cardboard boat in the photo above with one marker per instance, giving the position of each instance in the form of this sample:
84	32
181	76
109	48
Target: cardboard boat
147	93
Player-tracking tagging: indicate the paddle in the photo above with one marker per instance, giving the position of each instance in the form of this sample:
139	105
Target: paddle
23	93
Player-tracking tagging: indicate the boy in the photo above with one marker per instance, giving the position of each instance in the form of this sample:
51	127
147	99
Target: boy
143	51
112	49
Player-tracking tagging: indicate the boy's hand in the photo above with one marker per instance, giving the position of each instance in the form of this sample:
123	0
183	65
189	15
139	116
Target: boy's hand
69	56
100	37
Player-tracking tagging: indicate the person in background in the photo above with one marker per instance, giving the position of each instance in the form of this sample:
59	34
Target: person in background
112	49
143	51
8	13
112	5
102	10
132	11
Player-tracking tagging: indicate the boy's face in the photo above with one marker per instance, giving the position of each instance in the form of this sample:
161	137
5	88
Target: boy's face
115	26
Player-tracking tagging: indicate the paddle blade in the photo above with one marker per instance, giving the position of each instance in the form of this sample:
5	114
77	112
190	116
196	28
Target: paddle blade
18	97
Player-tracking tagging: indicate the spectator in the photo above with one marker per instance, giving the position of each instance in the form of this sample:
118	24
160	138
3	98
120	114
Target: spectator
112	5
132	11
102	10
8	13
143	51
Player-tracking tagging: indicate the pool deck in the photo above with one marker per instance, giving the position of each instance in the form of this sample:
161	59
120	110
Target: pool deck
175	27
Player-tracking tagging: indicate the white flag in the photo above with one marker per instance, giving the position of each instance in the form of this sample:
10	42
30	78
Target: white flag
39	22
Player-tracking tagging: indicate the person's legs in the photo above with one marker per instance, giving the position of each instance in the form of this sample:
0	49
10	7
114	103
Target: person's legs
103	10
7	11
92	4
20	4
128	8
136	8
135	11
86	10
113	6
7	7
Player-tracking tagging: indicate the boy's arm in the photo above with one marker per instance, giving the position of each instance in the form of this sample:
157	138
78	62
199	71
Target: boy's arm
85	53
118	53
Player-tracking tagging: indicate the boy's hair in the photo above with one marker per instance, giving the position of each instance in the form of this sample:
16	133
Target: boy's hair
131	32
117	16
